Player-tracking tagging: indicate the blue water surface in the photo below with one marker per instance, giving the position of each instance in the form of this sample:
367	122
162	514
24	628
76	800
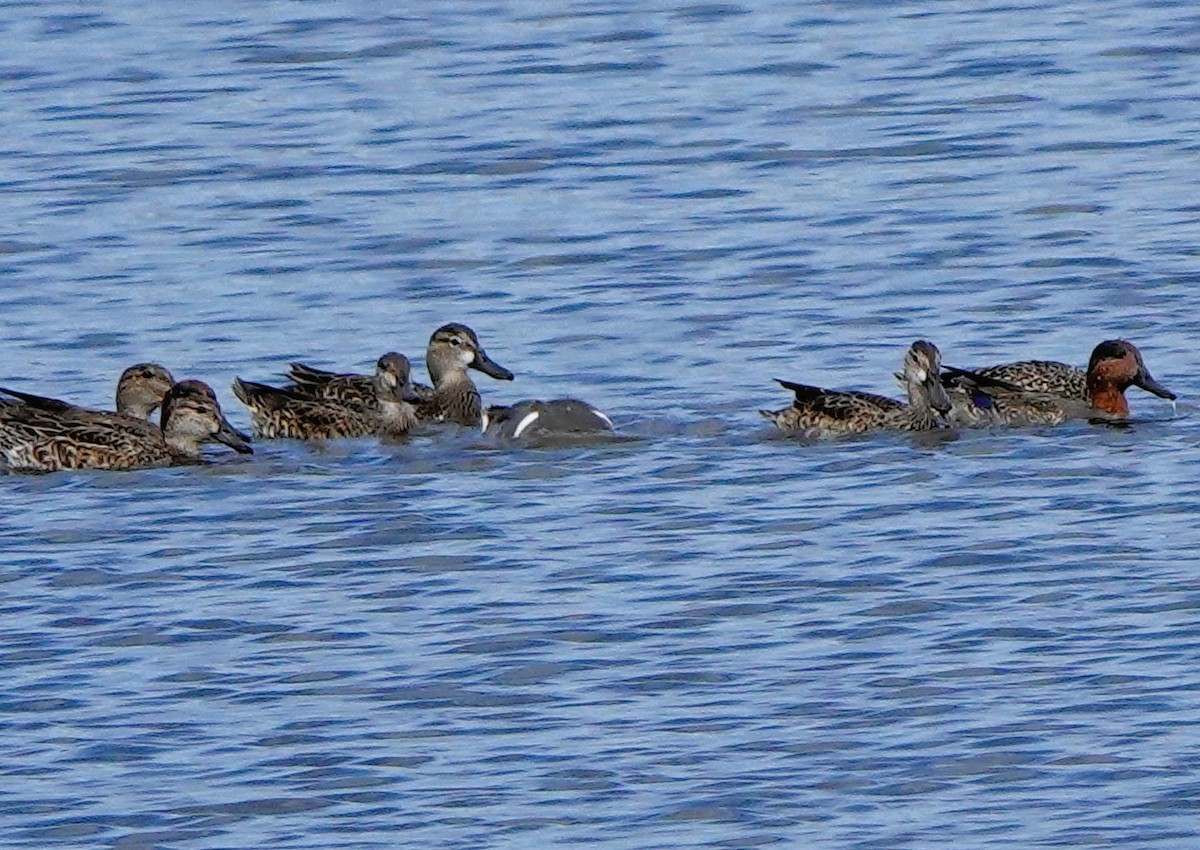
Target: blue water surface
703	636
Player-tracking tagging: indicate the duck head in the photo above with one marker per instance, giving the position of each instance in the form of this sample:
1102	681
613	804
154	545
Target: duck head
191	415
393	379
922	376
141	389
455	348
1116	365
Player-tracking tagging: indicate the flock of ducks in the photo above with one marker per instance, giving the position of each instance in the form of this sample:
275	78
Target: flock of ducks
46	435
1028	392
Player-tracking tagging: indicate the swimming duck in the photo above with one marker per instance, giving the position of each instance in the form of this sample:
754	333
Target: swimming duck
37	437
348	388
1046	392
452	350
335	407
140	390
560	418
819	412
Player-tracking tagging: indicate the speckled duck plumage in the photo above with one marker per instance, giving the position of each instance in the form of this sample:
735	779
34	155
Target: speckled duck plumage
335	407
453	349
817	412
1045	392
47	435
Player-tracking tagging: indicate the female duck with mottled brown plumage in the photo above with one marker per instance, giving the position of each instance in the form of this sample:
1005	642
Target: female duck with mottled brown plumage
45	435
819	412
453	349
335	406
140	391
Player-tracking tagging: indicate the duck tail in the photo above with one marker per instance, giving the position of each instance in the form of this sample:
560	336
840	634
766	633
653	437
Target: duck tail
241	391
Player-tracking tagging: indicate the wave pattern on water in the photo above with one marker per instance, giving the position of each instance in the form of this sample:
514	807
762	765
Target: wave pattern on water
708	634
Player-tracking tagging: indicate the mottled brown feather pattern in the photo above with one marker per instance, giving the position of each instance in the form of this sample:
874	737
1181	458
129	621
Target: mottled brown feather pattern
326	405
1046	392
817	411
39	438
1041	376
344	387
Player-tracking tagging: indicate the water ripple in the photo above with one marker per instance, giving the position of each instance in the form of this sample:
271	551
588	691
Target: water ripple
704	634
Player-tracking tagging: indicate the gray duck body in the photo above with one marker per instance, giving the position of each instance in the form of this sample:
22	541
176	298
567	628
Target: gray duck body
542	421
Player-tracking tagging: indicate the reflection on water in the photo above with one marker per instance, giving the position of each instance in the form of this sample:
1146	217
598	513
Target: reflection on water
705	634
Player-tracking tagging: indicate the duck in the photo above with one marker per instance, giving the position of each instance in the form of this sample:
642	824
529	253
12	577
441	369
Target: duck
46	435
818	412
453	349
348	388
335	407
1047	392
140	391
531	420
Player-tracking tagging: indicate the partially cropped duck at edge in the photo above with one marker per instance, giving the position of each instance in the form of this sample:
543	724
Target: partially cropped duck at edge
335	405
452	350
546	421
1046	392
140	391
36	437
820	412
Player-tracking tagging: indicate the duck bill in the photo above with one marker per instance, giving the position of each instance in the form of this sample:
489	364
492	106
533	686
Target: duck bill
490	367
233	438
939	400
409	393
403	393
1146	381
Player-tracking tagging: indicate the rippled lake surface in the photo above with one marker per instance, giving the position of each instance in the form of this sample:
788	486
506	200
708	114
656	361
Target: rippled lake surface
703	636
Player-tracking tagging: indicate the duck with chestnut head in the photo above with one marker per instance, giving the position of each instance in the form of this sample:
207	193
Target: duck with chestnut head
1047	392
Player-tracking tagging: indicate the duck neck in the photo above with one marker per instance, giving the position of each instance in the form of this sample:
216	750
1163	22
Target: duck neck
457	400
444	370
182	445
396	417
135	409
1108	397
920	411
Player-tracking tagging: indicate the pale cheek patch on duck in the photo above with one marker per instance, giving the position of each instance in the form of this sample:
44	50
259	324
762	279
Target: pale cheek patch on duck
604	416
